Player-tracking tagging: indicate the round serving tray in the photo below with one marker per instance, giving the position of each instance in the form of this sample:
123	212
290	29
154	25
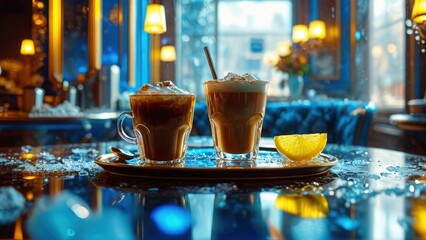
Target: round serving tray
201	163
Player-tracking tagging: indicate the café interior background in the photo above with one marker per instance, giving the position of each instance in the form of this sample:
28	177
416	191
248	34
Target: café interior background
370	51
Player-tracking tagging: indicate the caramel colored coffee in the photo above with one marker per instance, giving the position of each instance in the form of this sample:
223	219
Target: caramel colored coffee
236	110
162	124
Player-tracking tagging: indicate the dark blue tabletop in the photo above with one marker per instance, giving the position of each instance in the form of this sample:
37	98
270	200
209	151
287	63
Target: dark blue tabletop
59	192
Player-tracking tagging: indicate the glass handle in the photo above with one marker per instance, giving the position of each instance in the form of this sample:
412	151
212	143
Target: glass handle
120	127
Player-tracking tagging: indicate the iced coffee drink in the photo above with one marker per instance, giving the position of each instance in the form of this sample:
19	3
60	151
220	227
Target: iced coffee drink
236	107
162	121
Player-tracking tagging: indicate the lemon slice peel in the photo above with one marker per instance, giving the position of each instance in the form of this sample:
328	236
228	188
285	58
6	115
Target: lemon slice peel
301	148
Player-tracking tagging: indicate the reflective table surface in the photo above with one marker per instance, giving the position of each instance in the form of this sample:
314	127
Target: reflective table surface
59	192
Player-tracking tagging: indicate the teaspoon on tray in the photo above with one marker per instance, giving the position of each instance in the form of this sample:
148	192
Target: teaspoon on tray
122	153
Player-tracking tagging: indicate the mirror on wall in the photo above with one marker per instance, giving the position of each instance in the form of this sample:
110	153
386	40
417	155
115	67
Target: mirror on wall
325	59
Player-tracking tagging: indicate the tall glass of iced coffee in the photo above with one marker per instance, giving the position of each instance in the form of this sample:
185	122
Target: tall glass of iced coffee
236	107
162	121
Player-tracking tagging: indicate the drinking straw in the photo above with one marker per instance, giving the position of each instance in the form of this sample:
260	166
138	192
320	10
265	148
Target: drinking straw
209	60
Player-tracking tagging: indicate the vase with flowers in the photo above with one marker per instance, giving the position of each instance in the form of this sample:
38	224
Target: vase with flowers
293	62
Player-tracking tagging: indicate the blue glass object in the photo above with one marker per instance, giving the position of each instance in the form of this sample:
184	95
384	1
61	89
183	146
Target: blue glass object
171	219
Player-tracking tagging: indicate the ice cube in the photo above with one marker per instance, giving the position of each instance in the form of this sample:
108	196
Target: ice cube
231	76
164	84
251	76
12	204
148	89
28	149
169	87
67	216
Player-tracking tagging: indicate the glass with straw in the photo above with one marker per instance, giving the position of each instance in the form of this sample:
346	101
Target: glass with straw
236	107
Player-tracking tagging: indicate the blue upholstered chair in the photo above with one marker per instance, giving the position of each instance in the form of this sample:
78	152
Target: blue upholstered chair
346	122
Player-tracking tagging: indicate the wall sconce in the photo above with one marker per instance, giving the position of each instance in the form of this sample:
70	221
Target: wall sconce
310	39
155	20
28	51
300	33
27	47
168	53
317	29
418	23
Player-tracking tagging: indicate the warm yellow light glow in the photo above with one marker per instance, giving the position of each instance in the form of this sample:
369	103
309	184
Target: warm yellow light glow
418	14
40	5
155	20
56	33
28	155
284	48
168	53
27	47
300	33
18	234
317	30
301	205
377	52
30	177
418	213
30	196
95	33
270	58
391	48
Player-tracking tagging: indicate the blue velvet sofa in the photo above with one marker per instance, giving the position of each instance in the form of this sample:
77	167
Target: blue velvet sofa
346	122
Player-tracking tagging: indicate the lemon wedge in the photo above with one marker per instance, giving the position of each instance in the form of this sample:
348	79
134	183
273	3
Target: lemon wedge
301	148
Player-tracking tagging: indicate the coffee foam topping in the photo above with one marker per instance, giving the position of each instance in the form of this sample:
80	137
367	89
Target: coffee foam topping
239	83
166	87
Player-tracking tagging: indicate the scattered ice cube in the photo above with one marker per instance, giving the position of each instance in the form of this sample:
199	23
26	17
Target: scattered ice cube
27	149
80	151
67	216
12	204
63	109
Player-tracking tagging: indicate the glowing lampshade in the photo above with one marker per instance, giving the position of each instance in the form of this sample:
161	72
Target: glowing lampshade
27	47
418	14
300	33
168	53
317	30
284	48
155	20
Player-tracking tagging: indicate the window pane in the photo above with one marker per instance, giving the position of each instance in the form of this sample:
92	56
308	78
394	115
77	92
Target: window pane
244	38
195	28
387	53
254	17
238	34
